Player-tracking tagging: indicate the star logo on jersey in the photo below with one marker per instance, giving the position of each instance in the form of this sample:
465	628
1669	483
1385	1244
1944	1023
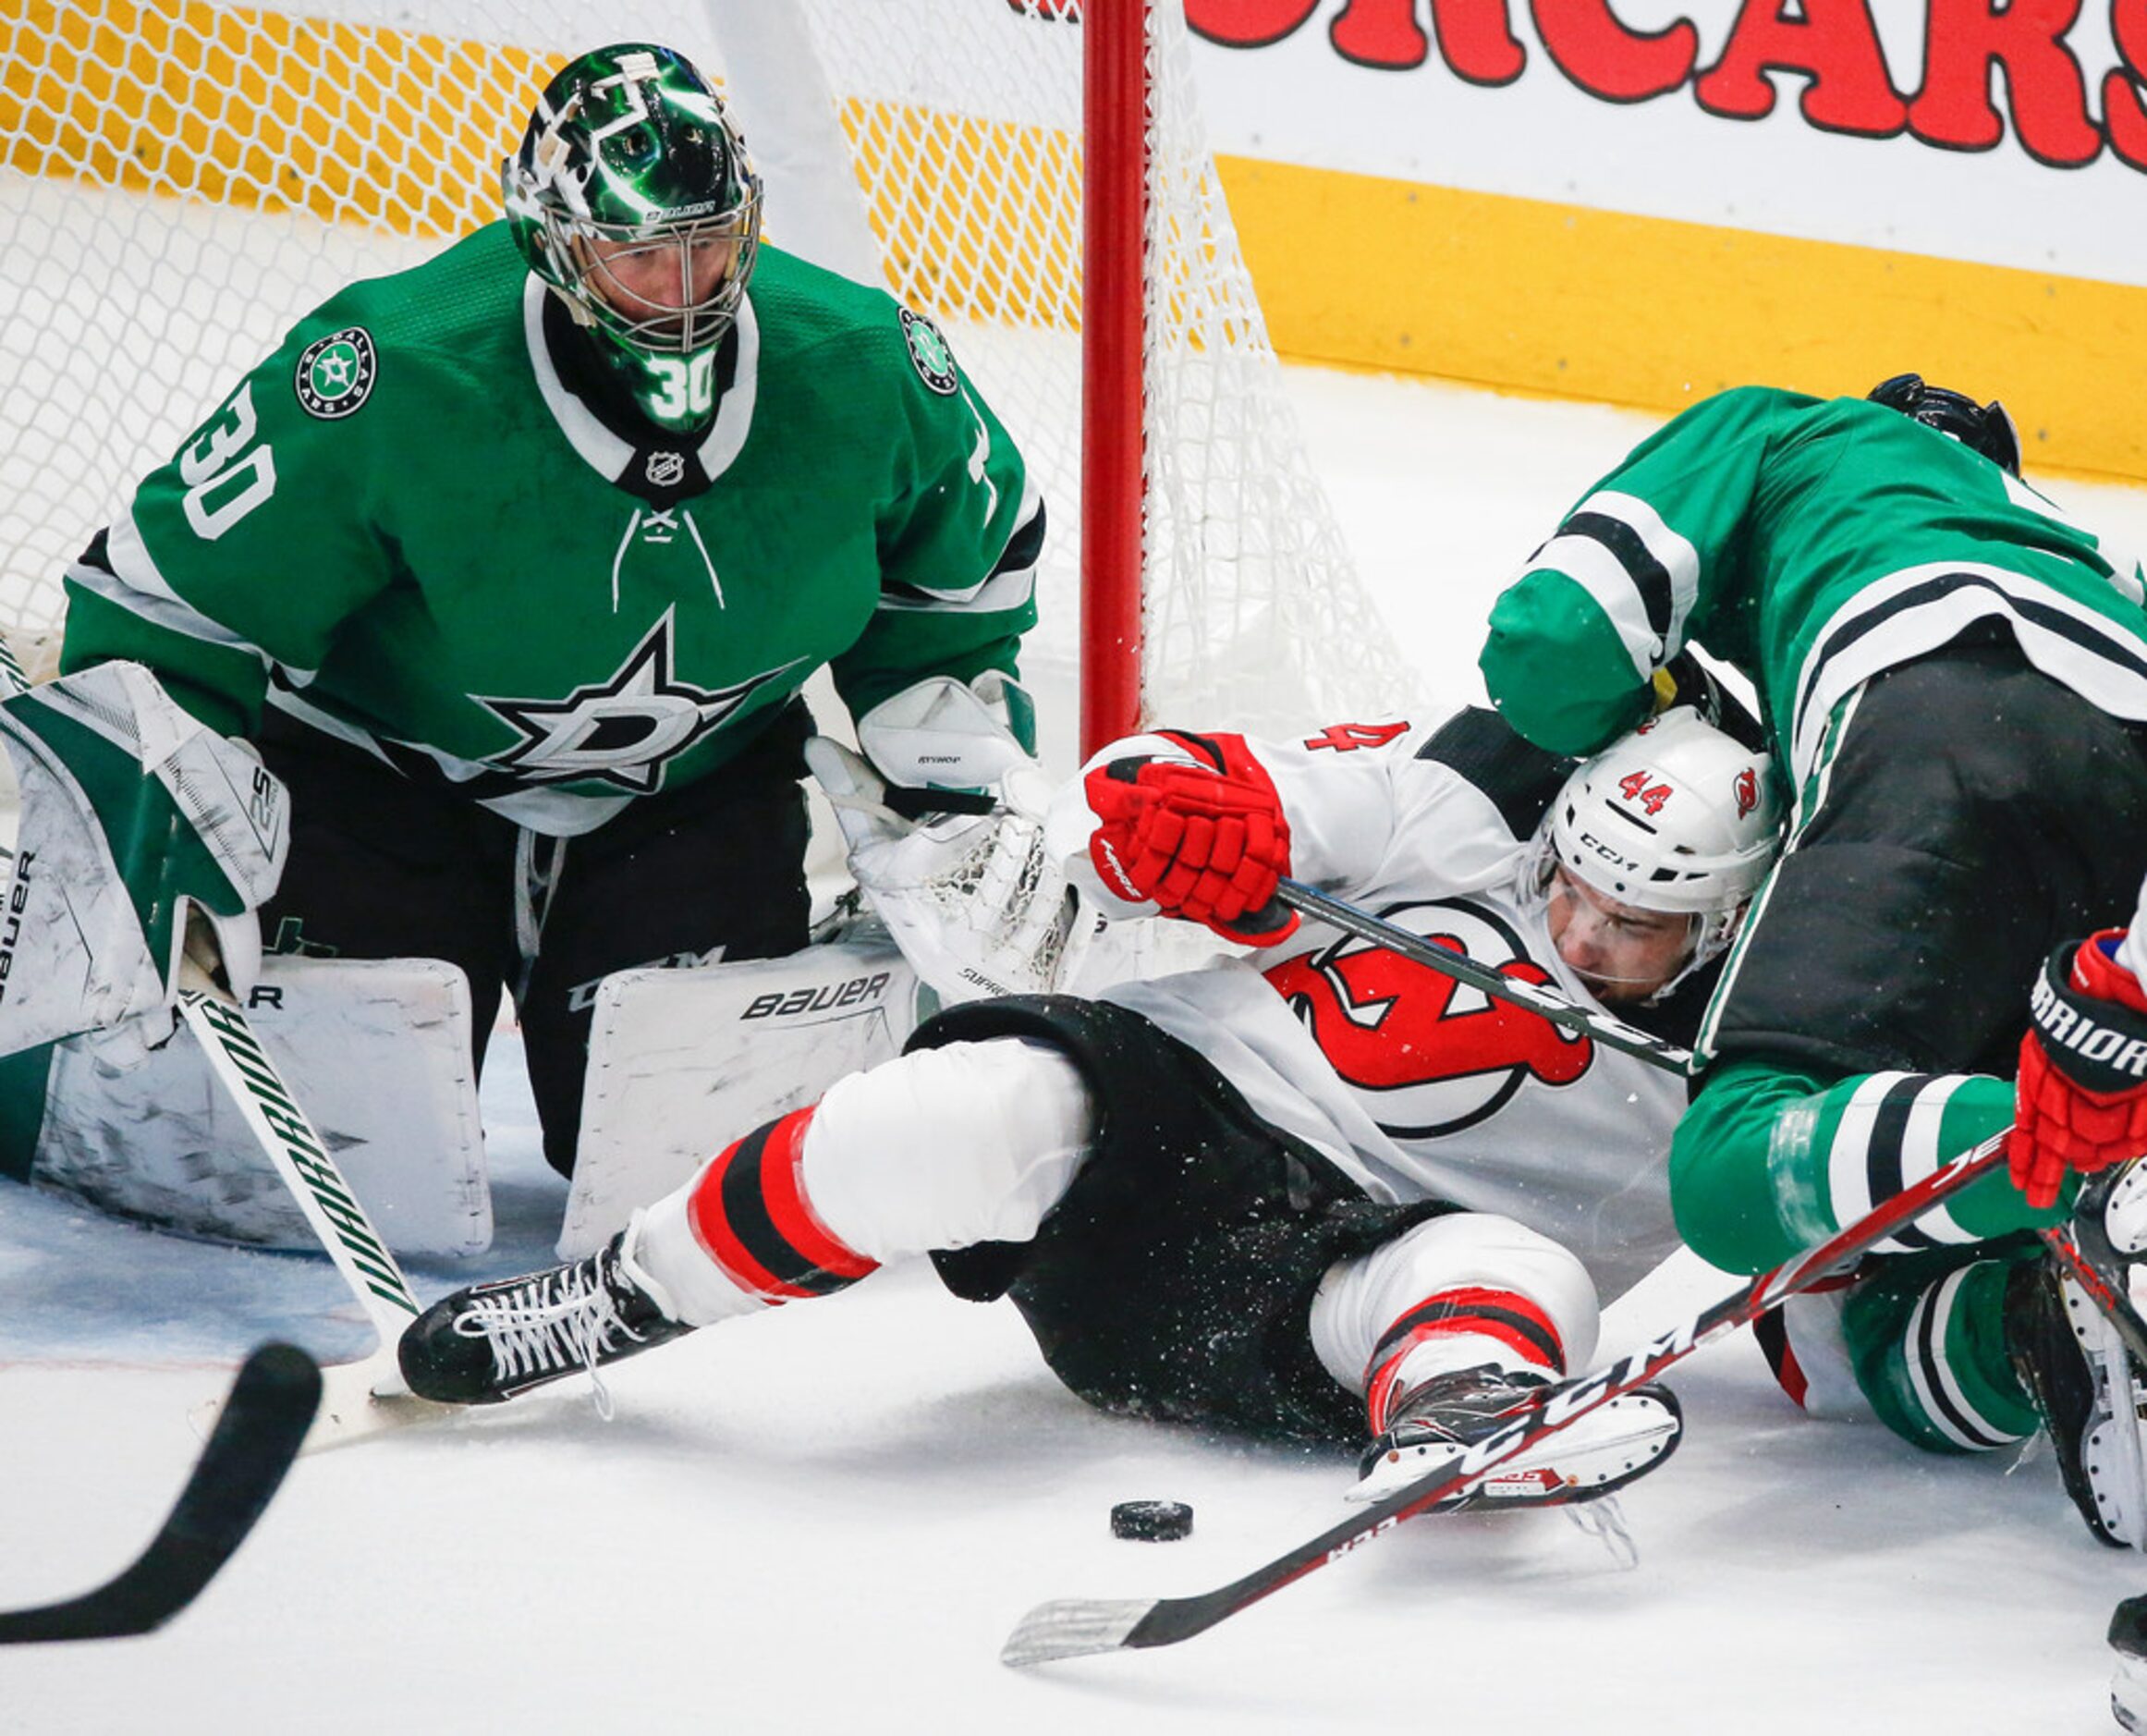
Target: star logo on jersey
334	375
624	730
1430	1055
928	353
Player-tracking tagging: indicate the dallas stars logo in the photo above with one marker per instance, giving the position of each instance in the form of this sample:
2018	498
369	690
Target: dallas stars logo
928	353
624	730
336	375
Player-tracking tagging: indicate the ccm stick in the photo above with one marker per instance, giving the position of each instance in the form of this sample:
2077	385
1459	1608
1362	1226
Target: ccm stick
258	1433
1079	1627
1074	1628
2082	1248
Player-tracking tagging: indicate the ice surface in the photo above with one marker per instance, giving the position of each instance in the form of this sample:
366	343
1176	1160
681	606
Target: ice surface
829	1518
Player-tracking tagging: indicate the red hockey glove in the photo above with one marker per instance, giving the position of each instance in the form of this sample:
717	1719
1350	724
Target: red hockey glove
2080	1101
1204	842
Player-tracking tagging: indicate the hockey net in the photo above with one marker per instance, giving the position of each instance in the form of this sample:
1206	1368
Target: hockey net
180	181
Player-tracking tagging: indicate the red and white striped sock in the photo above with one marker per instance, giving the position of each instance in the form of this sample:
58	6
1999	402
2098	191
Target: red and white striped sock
1450	1329
743	1235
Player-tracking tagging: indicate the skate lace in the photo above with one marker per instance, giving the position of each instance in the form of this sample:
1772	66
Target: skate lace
561	1320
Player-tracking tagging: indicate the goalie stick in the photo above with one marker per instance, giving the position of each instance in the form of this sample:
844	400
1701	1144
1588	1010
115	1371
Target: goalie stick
362	1397
2082	1248
264	1420
1079	1627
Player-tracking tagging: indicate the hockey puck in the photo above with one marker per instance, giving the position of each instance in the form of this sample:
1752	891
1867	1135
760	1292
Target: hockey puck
1152	1521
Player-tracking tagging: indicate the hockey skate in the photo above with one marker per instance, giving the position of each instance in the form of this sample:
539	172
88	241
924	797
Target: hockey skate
2129	1680
491	1342
1601	1452
2074	1366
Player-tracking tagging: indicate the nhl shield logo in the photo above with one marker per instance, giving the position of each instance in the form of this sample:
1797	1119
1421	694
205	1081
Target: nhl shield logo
666	470
335	376
929	353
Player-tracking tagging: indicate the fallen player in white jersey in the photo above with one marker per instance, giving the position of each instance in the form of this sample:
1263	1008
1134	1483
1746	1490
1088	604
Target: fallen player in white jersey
1319	1192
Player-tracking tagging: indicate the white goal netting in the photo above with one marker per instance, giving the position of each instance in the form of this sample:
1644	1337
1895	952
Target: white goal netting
180	181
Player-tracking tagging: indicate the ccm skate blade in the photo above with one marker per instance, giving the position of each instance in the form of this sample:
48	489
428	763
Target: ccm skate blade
1073	1627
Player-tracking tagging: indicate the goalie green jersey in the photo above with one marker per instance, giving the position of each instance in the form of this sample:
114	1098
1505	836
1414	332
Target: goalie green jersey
1811	544
424	527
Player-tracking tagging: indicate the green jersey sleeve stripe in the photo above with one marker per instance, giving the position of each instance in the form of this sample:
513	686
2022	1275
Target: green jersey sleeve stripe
1648	577
1886	1139
1920	608
128	578
1674	554
1595	566
1640	573
1010	584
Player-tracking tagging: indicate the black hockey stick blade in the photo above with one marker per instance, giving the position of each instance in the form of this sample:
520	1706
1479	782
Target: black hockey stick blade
1078	1627
256	1437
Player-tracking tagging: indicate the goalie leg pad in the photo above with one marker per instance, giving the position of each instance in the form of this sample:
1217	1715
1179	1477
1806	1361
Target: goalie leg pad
681	1059
378	1052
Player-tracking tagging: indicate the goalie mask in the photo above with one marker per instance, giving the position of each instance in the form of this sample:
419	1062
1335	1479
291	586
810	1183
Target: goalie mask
1985	428
633	199
1667	832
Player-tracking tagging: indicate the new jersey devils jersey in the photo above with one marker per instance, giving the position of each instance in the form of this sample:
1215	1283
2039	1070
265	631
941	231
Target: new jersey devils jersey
1417	1086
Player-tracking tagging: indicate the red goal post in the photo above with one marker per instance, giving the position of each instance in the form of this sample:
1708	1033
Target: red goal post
180	179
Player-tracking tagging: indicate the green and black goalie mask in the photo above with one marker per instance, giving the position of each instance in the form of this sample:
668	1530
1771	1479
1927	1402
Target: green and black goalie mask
633	198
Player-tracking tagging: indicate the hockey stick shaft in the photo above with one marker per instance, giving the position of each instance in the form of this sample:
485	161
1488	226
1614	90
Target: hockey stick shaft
1538	999
300	1156
257	1436
1075	1627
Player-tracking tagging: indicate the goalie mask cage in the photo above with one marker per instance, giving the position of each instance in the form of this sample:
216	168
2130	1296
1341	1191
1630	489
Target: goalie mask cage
180	181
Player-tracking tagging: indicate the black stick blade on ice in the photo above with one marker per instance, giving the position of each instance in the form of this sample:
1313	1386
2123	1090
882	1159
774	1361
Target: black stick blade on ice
256	1437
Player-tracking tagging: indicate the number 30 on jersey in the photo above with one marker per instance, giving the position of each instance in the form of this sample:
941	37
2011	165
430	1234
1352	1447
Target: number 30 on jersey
226	475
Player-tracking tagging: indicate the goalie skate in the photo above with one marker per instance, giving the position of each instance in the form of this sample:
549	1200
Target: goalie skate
1598	1454
2074	1366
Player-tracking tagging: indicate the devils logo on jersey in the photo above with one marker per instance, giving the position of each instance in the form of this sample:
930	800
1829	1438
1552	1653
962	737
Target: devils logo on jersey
1429	1055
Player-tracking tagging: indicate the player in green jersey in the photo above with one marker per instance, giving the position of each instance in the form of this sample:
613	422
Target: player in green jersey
1954	676
513	566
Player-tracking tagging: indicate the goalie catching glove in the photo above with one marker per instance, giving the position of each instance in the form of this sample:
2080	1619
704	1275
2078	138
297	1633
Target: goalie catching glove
1201	836
2080	1101
976	901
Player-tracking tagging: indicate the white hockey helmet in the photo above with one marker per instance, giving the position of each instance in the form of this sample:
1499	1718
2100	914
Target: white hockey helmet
1677	816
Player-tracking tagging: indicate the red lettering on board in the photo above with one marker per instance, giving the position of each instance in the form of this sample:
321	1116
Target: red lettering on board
1964	40
1833	41
1606	59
